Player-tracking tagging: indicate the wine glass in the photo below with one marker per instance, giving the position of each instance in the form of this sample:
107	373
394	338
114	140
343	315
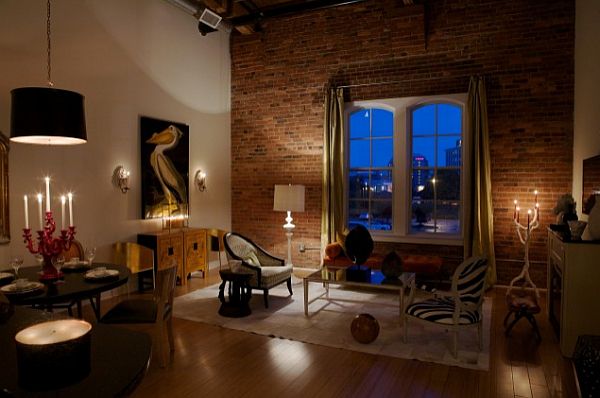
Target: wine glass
58	263
16	263
90	253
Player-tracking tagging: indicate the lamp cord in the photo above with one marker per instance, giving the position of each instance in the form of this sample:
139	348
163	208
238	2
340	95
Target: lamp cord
49	46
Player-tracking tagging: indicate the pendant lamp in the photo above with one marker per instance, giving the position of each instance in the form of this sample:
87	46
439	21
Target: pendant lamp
47	115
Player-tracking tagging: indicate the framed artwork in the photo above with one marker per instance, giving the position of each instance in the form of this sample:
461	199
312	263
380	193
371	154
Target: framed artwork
165	168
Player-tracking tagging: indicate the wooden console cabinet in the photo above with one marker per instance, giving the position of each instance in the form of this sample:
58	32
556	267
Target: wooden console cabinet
187	246
573	280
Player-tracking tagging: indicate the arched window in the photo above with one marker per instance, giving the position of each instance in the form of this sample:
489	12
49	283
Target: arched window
405	168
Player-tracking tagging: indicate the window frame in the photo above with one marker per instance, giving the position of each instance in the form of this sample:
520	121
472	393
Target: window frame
401	109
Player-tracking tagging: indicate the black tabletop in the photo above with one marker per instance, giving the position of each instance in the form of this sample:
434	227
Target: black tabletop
119	359
73	286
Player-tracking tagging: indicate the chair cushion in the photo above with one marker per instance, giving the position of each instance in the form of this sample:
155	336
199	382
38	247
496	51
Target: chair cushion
271	276
441	310
132	311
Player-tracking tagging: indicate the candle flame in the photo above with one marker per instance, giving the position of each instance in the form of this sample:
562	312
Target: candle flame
518	208
39	197
515	201
535	192
70	195
63	199
528	211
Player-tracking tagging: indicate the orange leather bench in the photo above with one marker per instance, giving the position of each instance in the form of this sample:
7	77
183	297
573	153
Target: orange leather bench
420	264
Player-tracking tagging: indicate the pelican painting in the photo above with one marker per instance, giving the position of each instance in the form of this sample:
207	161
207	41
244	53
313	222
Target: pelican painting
165	151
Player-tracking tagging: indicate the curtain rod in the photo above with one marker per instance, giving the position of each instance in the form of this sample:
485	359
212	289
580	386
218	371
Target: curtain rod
390	82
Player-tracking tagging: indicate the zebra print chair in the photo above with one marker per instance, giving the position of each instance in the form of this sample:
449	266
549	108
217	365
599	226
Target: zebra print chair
458	308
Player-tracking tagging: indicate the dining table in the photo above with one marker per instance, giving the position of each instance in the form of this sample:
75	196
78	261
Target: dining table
72	288
118	360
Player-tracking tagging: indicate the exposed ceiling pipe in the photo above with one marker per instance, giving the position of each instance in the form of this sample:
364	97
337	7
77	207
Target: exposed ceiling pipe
189	6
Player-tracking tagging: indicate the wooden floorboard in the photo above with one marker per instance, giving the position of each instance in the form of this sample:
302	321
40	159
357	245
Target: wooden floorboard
218	362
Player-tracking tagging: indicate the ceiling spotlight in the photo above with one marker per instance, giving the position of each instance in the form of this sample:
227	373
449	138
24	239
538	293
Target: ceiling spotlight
210	18
204	29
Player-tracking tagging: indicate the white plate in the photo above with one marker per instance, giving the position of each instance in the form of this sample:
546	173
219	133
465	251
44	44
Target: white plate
6	275
75	265
100	274
29	287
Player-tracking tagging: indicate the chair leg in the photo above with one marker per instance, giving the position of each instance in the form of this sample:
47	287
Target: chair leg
518	316
455	343
533	322
170	334
266	297
289	286
159	335
480	334
506	318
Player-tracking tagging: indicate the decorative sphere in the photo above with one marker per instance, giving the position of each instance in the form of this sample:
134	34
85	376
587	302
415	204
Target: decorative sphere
364	328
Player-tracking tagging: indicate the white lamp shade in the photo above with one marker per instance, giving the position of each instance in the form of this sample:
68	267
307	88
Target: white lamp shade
288	198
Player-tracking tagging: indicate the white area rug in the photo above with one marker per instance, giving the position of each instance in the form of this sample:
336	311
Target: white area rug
329	322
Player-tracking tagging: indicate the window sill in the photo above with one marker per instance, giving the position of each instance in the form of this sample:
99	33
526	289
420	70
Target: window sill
447	240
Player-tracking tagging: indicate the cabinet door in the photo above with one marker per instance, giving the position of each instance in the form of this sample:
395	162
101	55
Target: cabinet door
170	247
195	251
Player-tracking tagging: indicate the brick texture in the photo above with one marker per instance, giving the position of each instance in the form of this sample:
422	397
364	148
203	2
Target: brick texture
525	50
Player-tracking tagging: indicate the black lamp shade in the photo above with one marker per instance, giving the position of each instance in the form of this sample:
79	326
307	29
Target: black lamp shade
47	116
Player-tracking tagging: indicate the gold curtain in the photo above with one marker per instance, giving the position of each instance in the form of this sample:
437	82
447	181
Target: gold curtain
332	215
479	239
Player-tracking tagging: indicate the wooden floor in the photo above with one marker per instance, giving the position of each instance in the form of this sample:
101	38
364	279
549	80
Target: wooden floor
216	362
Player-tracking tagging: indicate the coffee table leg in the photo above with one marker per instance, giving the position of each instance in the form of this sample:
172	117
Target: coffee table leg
305	282
401	305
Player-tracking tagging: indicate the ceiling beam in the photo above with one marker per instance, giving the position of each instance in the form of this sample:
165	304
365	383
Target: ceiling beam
289	8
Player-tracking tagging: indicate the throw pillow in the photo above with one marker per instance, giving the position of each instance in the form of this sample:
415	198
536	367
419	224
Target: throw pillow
252	259
333	250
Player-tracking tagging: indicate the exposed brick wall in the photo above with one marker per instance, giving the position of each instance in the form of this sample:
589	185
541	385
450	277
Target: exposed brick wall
525	50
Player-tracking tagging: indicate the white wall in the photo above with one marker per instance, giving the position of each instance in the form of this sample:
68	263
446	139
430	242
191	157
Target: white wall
587	88
128	58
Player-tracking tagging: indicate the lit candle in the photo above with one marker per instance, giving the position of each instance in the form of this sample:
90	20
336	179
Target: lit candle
47	194
63	200
535	193
518	210
537	210
515	211
70	195
39	197
26	212
528	215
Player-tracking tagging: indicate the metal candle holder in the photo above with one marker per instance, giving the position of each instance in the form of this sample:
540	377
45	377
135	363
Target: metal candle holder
49	247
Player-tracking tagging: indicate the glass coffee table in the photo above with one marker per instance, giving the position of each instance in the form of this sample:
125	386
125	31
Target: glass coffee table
373	280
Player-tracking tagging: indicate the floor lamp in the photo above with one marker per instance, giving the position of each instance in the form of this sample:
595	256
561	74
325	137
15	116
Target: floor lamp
289	198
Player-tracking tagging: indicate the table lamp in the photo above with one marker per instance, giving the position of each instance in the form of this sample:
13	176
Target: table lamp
289	198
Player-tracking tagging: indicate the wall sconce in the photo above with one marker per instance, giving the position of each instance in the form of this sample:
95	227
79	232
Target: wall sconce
121	179
200	180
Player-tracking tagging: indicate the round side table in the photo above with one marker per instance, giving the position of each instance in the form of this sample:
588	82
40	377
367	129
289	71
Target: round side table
236	306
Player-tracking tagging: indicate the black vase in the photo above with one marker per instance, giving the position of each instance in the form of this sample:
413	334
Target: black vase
391	267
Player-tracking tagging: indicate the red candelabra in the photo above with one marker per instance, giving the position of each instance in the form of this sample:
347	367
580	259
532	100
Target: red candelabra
49	247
